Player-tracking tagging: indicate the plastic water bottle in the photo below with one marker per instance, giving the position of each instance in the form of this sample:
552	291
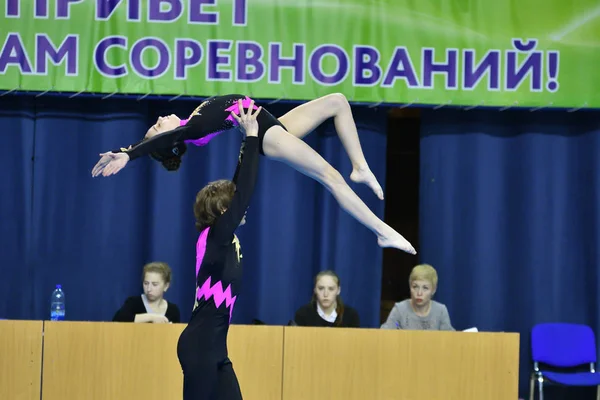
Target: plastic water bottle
57	305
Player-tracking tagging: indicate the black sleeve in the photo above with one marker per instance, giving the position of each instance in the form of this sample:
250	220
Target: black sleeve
161	141
128	311
174	315
301	317
353	319
124	149
239	163
209	118
227	223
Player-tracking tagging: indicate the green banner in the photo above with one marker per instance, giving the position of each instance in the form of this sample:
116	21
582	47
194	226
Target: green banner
529	53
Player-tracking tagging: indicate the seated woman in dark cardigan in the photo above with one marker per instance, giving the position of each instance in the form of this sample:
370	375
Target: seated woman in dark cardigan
420	312
326	308
151	306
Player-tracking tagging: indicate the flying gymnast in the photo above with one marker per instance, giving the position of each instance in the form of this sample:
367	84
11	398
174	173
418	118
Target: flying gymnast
220	207
279	139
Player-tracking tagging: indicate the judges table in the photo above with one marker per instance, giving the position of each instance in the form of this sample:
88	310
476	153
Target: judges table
114	361
20	359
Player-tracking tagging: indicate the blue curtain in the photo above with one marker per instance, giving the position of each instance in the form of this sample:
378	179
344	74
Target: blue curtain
510	218
61	226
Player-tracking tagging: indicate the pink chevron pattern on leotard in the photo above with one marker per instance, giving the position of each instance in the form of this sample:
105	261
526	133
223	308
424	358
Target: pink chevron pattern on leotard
203	141
217	293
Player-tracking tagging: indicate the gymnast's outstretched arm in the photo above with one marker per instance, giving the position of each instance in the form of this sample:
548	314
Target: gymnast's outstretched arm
160	141
228	222
239	163
113	161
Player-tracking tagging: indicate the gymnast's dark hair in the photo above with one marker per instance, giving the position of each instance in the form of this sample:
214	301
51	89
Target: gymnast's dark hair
170	158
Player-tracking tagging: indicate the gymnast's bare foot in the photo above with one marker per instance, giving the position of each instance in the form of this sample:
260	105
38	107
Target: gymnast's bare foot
397	241
364	175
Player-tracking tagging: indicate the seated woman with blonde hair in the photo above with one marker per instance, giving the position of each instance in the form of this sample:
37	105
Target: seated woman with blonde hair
420	312
326	308
151	306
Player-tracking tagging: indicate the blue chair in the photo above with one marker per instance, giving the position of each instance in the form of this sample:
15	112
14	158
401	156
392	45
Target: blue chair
564	346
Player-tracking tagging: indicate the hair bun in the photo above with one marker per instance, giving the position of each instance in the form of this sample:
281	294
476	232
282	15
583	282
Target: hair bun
172	164
170	158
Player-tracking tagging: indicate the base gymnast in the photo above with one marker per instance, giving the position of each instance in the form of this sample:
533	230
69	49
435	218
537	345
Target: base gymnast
219	209
279	139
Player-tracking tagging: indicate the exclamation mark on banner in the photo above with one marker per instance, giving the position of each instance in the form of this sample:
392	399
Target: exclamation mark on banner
552	82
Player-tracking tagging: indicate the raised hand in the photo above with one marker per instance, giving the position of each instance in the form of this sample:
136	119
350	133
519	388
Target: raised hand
247	120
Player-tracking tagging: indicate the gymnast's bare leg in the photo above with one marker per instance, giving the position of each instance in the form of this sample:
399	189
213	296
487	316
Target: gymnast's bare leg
305	118
281	146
